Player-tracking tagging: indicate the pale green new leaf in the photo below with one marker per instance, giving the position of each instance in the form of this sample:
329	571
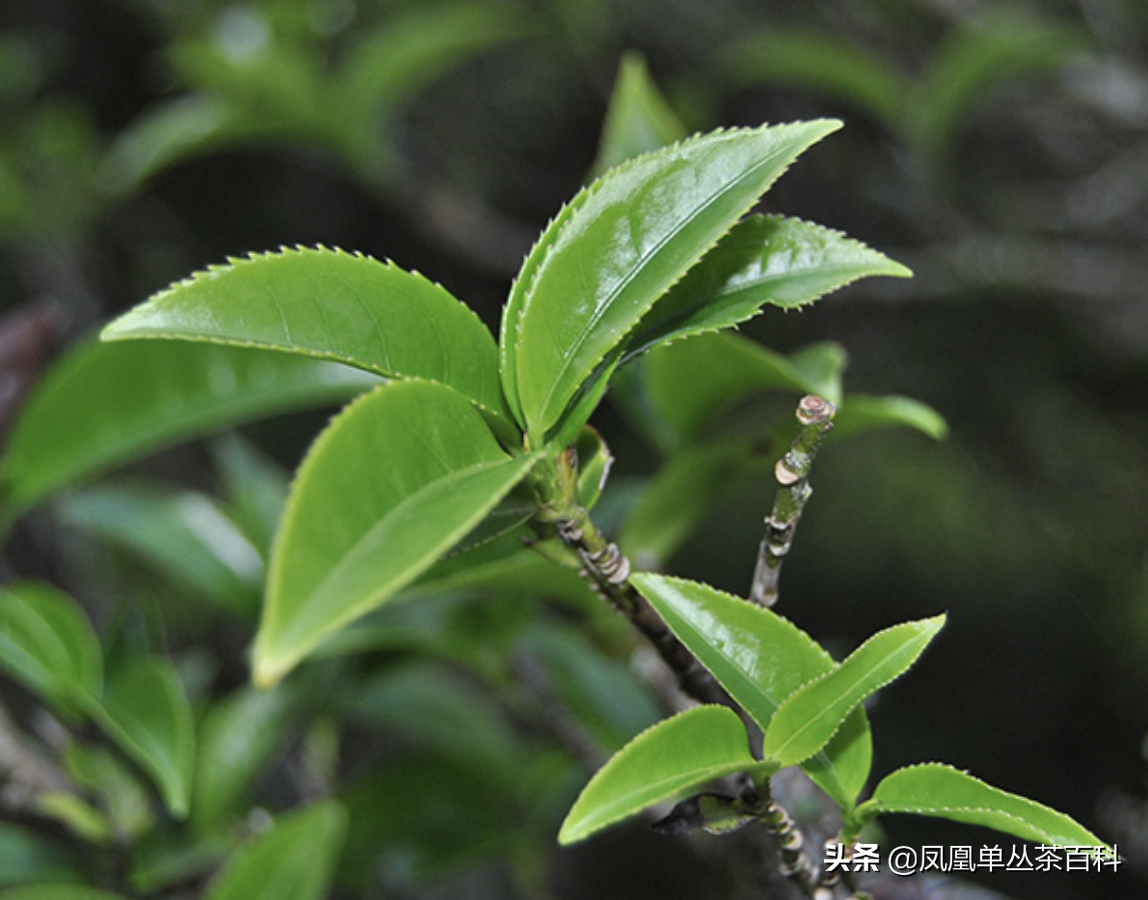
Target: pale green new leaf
129	400
146	712
811	715
48	644
935	789
624	241
395	481
665	762
294	860
760	659
331	305
763	260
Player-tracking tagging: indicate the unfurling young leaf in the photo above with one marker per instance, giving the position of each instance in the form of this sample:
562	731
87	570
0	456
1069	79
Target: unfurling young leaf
618	246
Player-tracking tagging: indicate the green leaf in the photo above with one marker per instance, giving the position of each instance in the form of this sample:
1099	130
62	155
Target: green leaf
59	892
237	737
760	659
331	305
625	240
665	762
294	860
146	712
691	382
27	856
183	534
638	119
935	789
811	715
129	400
677	498
594	462
395	481
860	413
48	644
829	65
763	260
254	488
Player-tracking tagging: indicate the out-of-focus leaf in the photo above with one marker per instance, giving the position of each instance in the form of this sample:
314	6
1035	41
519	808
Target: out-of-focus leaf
59	892
294	860
762	260
691	382
147	713
859	413
129	400
27	857
823	63
48	644
667	761
121	792
811	715
76	814
236	738
398	478
183	533
638	119
1002	47
935	789
332	305
624	241
760	659
254	489
676	499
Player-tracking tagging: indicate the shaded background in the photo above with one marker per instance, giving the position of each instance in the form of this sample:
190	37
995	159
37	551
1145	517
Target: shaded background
998	149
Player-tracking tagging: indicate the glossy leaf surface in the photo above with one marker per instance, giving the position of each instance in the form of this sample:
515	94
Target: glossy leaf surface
760	659
675	757
811	715
147	713
294	860
131	399
625	241
935	789
332	305
764	260
48	644
398	478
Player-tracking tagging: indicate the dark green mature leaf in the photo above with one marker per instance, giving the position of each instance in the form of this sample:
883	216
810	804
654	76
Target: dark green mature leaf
331	305
48	644
621	244
638	119
760	658
183	534
674	758
691	382
935	789
294	860
811	715
147	713
763	260
128	400
397	479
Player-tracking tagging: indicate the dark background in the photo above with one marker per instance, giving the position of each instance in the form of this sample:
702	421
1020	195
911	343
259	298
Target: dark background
1008	169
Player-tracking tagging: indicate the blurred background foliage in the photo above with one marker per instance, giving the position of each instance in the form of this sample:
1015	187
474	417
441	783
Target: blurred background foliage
1000	149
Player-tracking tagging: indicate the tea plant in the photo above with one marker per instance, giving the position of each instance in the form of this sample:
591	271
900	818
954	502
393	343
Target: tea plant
454	448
